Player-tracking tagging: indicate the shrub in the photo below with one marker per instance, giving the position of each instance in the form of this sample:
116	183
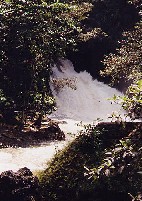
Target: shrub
64	177
34	34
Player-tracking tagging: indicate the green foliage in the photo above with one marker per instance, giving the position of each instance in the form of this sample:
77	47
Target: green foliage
126	63
103	161
124	66
132	101
113	17
34	34
121	165
64	177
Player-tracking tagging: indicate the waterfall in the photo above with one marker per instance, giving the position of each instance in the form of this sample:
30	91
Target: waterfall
78	98
82	98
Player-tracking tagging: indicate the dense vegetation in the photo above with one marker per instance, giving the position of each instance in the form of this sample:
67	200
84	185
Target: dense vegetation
104	163
125	66
34	34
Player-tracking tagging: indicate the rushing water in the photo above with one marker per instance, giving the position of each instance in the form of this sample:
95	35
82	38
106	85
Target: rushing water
34	158
84	99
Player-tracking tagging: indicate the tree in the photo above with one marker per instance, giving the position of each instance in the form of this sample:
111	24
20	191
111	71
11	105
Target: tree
34	34
126	63
125	67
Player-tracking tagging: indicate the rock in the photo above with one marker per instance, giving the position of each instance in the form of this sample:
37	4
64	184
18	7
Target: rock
48	132
30	135
19	186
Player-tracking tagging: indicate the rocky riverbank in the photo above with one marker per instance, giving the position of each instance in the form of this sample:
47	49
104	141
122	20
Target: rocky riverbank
12	136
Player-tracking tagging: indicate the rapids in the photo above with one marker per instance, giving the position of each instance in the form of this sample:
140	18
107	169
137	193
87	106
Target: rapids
79	98
82	98
35	158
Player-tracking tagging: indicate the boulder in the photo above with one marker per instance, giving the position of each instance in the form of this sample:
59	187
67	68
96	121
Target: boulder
30	135
49	132
19	186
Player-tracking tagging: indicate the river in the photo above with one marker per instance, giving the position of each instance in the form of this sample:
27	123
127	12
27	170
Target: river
79	98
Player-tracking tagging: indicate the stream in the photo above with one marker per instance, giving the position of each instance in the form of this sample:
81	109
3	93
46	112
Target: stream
79	98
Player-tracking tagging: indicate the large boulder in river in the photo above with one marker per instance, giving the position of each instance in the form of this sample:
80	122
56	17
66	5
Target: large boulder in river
50	132
19	186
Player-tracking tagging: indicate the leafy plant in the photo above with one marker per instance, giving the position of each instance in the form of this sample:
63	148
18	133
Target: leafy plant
132	100
126	63
121	165
34	34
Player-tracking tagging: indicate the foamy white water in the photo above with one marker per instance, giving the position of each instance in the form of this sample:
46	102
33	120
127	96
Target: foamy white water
88	101
35	158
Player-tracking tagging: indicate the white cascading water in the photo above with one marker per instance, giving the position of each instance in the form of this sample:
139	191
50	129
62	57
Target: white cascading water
87	103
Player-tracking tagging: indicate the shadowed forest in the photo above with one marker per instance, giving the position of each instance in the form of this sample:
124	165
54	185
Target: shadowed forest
102	37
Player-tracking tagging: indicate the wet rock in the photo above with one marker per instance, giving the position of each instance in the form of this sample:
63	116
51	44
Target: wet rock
19	186
49	132
30	135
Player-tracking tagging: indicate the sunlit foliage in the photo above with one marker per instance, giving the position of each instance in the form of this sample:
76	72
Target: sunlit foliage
34	34
124	66
126	63
132	100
